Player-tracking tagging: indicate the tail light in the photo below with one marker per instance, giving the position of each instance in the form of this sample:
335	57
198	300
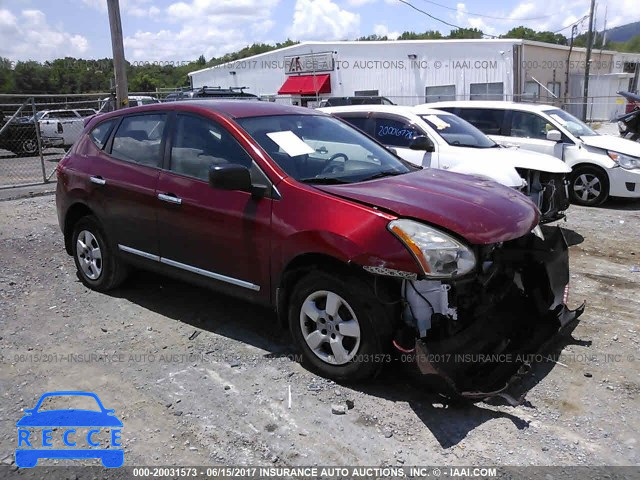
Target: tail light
60	127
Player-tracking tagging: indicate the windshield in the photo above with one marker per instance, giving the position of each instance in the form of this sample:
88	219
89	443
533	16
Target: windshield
457	132
322	149
571	123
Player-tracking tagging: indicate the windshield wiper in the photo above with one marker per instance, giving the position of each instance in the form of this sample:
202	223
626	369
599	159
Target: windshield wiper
382	174
323	180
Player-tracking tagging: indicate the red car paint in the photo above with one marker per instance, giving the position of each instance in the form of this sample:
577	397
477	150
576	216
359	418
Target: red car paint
236	234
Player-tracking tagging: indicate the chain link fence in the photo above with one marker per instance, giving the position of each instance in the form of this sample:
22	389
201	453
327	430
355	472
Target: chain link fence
36	131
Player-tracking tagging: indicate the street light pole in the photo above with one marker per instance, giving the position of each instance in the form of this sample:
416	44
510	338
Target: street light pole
588	63
117	45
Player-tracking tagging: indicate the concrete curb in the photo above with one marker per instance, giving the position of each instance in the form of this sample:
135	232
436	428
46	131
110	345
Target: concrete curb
17	193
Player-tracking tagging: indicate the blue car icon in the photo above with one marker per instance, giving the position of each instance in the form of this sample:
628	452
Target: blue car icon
65	421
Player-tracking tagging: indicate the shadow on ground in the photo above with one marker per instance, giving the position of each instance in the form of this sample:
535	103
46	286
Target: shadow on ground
449	420
621	204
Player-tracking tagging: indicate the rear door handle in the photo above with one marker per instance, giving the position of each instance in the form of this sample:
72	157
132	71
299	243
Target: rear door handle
98	180
170	198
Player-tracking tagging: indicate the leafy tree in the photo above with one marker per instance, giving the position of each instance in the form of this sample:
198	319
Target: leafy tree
526	33
466	33
373	38
6	75
428	35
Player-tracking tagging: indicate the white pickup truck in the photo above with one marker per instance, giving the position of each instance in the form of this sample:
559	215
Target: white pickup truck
62	127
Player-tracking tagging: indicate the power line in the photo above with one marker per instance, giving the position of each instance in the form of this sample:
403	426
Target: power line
487	16
438	19
572	24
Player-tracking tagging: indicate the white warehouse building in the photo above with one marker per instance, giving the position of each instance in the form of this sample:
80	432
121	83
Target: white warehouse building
417	71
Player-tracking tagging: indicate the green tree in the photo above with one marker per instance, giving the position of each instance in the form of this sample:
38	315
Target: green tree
526	33
6	75
466	33
428	35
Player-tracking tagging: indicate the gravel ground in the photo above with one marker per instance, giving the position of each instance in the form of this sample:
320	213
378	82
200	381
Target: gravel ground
201	379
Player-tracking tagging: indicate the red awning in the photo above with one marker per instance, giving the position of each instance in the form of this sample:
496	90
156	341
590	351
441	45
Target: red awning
306	85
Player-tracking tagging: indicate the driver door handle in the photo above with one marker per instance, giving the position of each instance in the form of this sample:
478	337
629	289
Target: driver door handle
170	198
98	180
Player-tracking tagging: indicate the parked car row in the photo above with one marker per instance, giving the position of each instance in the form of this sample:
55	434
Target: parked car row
360	252
58	128
601	165
433	138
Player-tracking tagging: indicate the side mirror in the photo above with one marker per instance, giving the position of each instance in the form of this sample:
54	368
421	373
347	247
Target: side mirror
230	177
554	135
422	142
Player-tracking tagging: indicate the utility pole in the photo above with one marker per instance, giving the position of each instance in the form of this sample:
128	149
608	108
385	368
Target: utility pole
574	31
117	45
588	62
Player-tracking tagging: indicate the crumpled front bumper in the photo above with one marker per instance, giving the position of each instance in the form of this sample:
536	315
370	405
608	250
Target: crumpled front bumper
493	351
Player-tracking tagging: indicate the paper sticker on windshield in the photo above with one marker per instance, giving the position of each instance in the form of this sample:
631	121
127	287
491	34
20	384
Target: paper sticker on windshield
437	122
558	119
292	144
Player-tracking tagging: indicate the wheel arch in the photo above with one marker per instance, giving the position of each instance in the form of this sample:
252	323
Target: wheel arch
74	213
593	166
307	262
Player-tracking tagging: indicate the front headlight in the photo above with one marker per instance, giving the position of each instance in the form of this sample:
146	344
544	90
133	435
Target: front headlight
439	254
625	161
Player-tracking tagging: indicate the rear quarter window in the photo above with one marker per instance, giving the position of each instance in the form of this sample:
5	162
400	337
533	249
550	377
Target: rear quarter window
100	133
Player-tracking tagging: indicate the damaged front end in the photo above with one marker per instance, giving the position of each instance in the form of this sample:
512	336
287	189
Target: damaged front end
548	191
477	332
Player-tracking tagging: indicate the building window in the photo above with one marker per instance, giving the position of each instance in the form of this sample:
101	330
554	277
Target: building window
440	93
553	87
366	93
531	91
487	91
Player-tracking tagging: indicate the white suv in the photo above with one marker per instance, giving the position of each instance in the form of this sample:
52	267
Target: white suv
438	139
603	165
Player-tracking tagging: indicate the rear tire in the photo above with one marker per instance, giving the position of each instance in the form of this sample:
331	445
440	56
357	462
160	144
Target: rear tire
29	147
349	337
588	186
99	267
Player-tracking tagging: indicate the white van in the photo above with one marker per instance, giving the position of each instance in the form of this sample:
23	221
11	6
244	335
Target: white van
437	139
603	165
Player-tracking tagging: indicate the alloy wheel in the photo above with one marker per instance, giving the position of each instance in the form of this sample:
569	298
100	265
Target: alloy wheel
89	255
330	327
587	187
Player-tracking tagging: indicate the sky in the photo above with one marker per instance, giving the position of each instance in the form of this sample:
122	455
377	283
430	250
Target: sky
181	31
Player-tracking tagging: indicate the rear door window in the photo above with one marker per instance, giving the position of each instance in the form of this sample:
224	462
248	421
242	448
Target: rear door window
139	139
489	120
361	122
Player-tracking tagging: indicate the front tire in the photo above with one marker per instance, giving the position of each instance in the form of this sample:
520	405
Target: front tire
98	266
340	326
588	186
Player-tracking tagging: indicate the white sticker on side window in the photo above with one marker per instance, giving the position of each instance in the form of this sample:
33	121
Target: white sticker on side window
437	122
292	144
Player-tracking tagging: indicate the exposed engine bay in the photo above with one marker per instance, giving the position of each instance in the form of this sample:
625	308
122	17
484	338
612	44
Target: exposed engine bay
549	191
476	332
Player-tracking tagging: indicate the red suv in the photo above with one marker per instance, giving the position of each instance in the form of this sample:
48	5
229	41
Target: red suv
357	250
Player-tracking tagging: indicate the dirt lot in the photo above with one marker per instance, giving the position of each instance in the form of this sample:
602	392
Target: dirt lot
200	379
